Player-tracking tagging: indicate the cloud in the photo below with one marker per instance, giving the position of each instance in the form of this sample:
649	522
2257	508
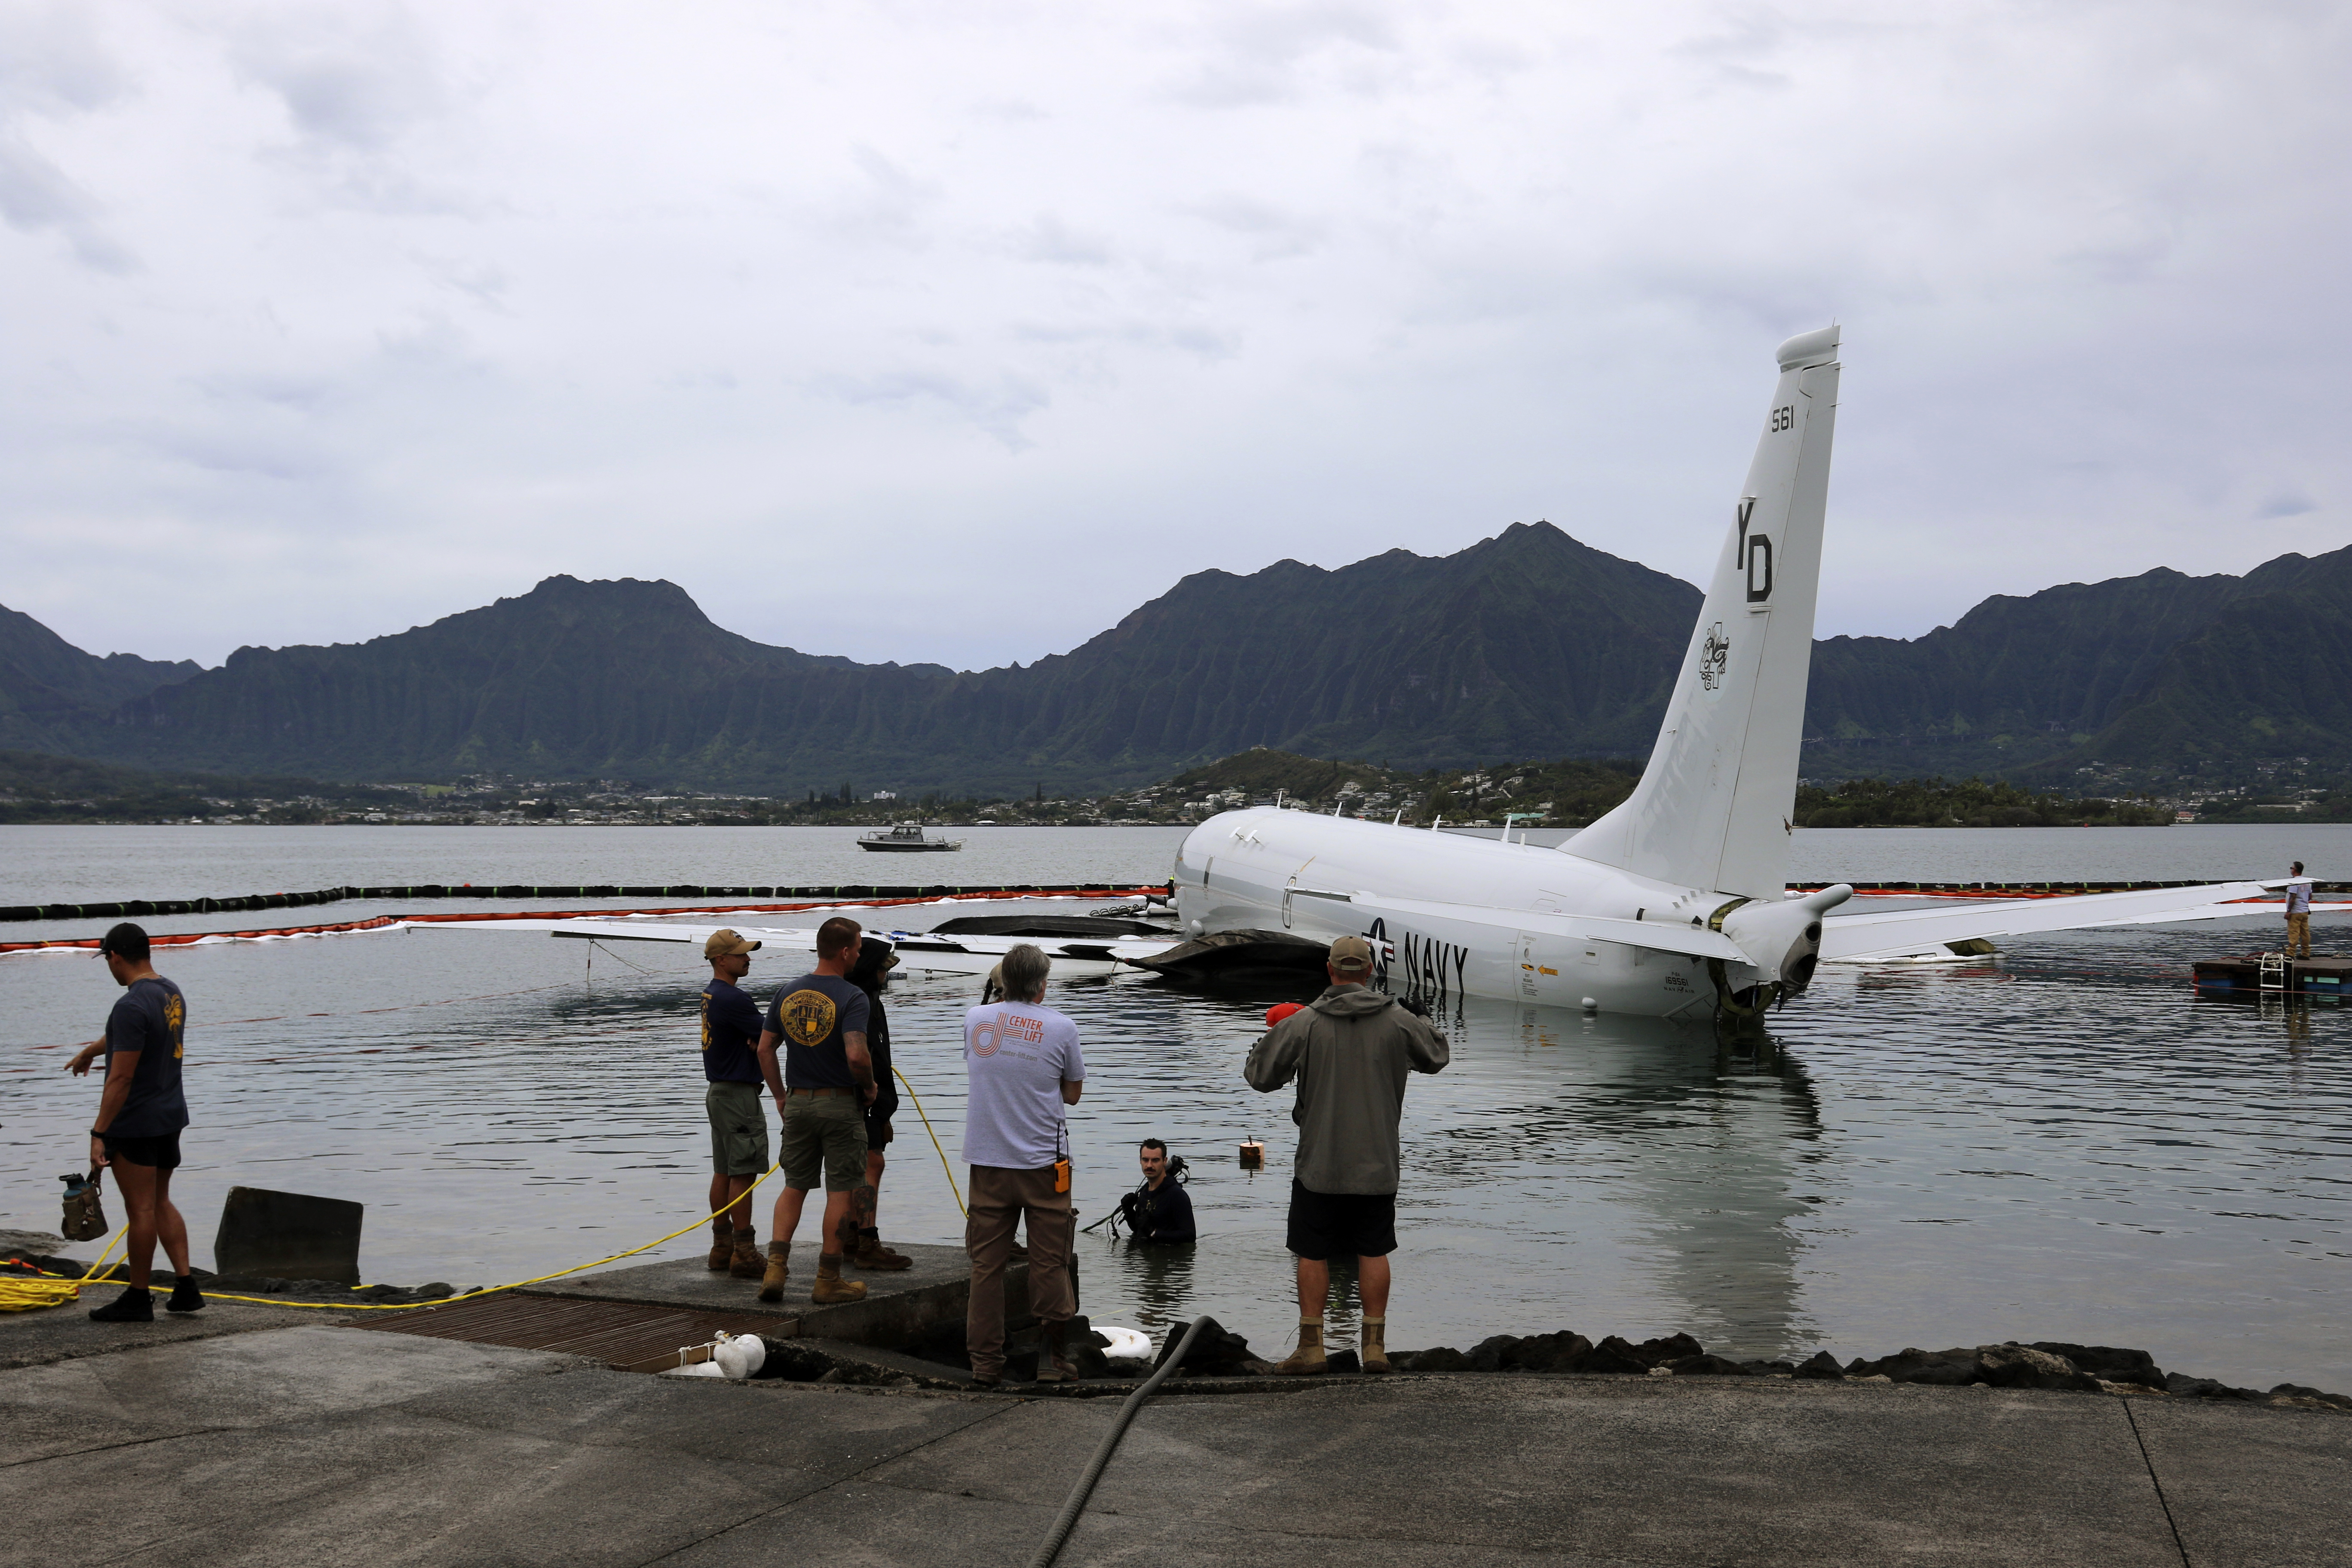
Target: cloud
36	194
358	315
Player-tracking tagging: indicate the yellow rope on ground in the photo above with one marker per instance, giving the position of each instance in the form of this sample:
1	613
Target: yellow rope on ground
935	1141
18	1294
441	1301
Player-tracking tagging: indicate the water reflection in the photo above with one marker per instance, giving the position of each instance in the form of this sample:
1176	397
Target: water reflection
1908	1155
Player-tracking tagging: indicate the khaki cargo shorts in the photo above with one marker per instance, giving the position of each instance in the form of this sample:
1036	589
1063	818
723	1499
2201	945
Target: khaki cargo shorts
738	1129
827	1132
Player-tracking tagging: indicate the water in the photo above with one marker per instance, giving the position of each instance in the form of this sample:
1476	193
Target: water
2068	1145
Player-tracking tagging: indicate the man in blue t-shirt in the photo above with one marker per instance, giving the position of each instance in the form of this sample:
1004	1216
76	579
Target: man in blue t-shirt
738	1122
140	1111
822	1086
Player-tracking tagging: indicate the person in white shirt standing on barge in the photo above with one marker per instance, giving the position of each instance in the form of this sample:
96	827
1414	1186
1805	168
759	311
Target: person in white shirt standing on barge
2298	914
1023	1066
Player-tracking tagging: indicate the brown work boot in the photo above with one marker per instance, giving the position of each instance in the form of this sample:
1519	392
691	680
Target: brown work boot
746	1262
1306	1361
832	1289
1376	1348
722	1245
779	1269
1052	1366
875	1257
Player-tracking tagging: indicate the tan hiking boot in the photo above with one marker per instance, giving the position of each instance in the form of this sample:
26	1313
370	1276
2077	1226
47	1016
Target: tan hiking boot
746	1262
779	1269
1376	1348
1308	1360
875	1257
832	1289
722	1245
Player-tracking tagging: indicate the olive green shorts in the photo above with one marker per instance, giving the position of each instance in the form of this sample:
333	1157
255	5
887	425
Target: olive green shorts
738	1129
826	1131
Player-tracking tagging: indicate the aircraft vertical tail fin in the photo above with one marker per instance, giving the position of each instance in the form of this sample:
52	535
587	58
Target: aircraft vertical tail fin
1712	810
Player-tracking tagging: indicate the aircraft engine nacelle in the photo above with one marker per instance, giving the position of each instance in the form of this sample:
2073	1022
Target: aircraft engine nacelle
1783	941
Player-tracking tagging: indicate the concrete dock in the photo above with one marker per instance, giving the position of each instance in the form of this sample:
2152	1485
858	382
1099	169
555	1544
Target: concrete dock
240	1439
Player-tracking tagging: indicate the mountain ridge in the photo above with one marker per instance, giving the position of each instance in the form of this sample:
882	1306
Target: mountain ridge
1527	644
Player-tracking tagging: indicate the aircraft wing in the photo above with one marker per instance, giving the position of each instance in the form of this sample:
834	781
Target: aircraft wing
1908	933
957	954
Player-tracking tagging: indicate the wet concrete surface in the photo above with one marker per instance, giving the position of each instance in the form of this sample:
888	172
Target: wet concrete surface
318	1443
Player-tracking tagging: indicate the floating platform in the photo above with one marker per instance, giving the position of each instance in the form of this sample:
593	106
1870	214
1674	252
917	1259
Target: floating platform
2274	975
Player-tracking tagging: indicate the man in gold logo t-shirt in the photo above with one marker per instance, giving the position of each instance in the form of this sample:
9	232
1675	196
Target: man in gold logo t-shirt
822	1084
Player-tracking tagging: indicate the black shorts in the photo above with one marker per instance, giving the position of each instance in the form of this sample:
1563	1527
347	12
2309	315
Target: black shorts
877	1131
1324	1225
161	1151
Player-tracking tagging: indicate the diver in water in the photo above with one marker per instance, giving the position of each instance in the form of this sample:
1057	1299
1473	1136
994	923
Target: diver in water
1160	1211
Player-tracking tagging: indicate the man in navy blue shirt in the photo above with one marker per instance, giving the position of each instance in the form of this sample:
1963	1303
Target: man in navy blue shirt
823	1083
738	1122
140	1111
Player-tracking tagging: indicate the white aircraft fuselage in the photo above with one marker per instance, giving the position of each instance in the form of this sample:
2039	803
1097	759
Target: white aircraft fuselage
1451	916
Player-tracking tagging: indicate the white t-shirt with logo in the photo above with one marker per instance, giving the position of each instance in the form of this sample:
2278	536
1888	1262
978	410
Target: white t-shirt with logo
1015	1056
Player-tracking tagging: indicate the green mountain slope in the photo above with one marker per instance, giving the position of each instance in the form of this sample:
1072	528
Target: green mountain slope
2157	670
50	688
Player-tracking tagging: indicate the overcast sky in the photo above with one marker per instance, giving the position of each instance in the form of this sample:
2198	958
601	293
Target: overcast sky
954	332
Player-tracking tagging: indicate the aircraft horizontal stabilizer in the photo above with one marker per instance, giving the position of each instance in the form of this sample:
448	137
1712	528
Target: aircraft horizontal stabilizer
1659	936
1908	933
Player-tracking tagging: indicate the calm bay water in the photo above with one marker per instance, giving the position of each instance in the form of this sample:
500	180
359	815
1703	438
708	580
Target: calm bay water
2064	1145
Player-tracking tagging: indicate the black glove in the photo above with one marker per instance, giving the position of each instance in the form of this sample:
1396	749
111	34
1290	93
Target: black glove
1412	1004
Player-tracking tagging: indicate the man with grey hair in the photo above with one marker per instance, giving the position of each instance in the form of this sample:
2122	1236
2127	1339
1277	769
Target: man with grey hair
1022	1060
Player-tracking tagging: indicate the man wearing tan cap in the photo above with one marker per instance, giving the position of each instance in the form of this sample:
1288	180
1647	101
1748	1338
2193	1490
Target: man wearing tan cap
739	1121
1350	1050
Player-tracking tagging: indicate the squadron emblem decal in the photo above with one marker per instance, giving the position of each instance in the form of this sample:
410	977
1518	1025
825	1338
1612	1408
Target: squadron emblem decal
1714	655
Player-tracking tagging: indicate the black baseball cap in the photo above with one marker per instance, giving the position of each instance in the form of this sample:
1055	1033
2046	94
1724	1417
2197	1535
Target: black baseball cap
126	941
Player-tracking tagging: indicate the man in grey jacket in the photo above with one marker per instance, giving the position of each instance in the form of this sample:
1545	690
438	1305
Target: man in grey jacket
1351	1052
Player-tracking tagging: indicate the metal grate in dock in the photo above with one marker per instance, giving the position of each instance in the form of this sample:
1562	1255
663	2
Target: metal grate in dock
622	1334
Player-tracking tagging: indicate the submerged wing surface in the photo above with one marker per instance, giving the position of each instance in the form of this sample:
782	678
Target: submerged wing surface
1905	933
955	955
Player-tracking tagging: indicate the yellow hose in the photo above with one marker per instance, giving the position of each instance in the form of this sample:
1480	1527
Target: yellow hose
443	1300
935	1140
19	1295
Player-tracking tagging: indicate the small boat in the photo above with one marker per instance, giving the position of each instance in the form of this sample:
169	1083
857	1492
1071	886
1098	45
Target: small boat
905	836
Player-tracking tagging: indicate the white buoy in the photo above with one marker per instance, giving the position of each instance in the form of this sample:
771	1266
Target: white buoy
1591	1005
1126	1344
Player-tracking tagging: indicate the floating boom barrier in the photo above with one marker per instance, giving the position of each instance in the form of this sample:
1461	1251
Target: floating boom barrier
140	909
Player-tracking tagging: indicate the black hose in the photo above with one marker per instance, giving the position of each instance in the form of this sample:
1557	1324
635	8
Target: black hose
1068	1519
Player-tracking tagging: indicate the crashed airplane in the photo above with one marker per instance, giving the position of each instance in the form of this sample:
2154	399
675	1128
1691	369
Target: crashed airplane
1675	902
